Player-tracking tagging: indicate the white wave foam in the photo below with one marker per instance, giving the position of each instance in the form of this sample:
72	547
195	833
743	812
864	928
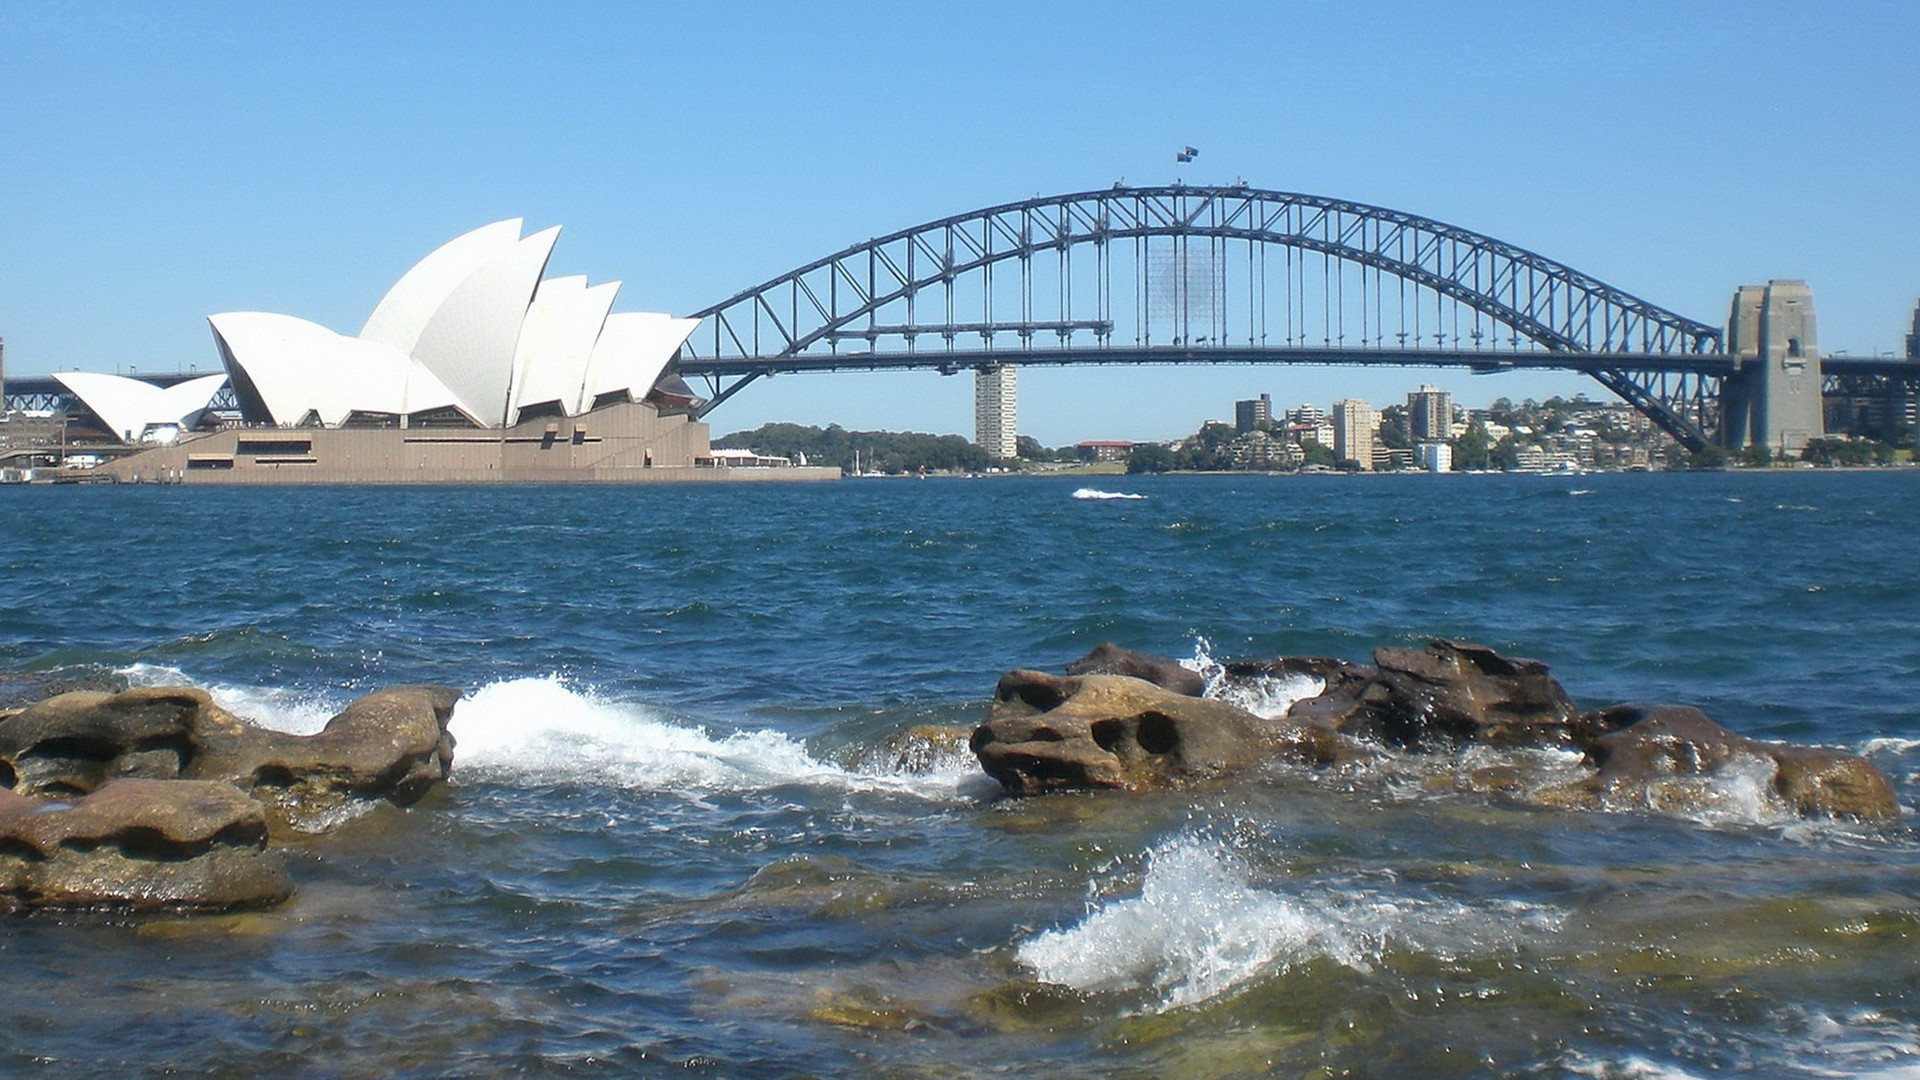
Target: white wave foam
1627	1068
543	730
1268	696
296	712
1199	928
1097	494
1888	745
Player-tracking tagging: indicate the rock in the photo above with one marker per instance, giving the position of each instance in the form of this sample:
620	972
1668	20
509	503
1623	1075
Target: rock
1045	732
1447	695
919	750
1110	659
19	689
72	743
1653	751
1821	782
142	845
391	746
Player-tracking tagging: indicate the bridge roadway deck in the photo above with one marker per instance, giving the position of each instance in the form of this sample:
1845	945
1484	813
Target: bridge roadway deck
20	388
952	360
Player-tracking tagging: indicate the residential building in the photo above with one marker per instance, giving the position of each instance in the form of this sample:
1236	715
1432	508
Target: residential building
1353	427
996	409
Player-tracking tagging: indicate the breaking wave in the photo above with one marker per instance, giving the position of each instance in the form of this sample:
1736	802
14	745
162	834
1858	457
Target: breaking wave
1200	928
545	731
542	730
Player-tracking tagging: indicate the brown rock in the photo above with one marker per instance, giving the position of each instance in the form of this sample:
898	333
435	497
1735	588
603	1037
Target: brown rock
1110	659
391	745
1044	732
1652	746
139	844
1446	695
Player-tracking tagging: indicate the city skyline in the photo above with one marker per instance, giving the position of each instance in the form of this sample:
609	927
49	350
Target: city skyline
167	165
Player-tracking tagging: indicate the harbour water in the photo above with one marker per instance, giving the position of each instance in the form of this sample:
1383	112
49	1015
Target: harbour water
693	829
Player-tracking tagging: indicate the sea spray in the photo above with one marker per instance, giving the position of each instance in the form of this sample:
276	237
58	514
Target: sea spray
1268	696
542	730
1201	928
296	712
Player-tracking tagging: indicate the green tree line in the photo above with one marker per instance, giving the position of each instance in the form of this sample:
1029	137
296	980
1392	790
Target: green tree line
880	451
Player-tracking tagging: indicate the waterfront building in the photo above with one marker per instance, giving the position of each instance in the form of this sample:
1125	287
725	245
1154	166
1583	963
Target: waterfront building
1429	414
471	336
1436	457
1353	427
1104	450
473	368
1252	414
996	411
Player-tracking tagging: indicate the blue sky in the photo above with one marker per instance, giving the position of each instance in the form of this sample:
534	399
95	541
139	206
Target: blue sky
159	163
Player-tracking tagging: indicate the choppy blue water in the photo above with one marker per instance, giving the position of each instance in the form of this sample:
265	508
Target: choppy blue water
683	839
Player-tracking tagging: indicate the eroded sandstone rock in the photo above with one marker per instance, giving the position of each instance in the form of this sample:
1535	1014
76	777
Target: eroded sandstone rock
1447	695
1047	732
142	845
1044	732
1654	755
392	745
1110	659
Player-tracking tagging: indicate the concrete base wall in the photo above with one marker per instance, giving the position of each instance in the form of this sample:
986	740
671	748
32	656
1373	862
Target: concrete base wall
625	443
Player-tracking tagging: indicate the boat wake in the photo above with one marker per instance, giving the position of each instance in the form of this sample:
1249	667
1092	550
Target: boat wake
1095	494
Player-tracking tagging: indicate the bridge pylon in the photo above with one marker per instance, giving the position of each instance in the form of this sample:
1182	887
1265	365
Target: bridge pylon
1773	396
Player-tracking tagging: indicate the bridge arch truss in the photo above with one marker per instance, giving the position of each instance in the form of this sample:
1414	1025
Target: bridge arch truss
1183	274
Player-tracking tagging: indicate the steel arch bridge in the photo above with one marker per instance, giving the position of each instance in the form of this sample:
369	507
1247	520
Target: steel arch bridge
1210	275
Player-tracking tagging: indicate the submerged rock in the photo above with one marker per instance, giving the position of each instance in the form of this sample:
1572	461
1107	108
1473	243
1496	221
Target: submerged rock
1046	732
142	845
392	745
1655	756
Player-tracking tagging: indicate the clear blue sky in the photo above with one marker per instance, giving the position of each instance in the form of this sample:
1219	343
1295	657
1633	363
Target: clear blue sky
161	162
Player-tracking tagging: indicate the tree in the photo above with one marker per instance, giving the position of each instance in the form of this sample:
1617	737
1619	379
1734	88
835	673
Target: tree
1707	457
1394	431
1470	450
1317	454
1505	454
1150	458
1754	455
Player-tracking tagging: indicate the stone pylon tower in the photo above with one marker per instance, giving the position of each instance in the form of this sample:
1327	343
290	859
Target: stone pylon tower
1773	397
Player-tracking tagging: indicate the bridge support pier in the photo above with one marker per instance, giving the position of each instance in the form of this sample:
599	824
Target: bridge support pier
1772	399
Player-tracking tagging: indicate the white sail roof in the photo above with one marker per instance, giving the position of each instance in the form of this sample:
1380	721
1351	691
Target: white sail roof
471	341
404	312
296	367
632	351
472	327
557	342
129	406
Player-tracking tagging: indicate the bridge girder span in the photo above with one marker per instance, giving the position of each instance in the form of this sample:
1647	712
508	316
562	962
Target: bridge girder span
1438	275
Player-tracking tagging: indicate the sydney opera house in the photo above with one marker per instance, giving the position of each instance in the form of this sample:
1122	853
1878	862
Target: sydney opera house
474	367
